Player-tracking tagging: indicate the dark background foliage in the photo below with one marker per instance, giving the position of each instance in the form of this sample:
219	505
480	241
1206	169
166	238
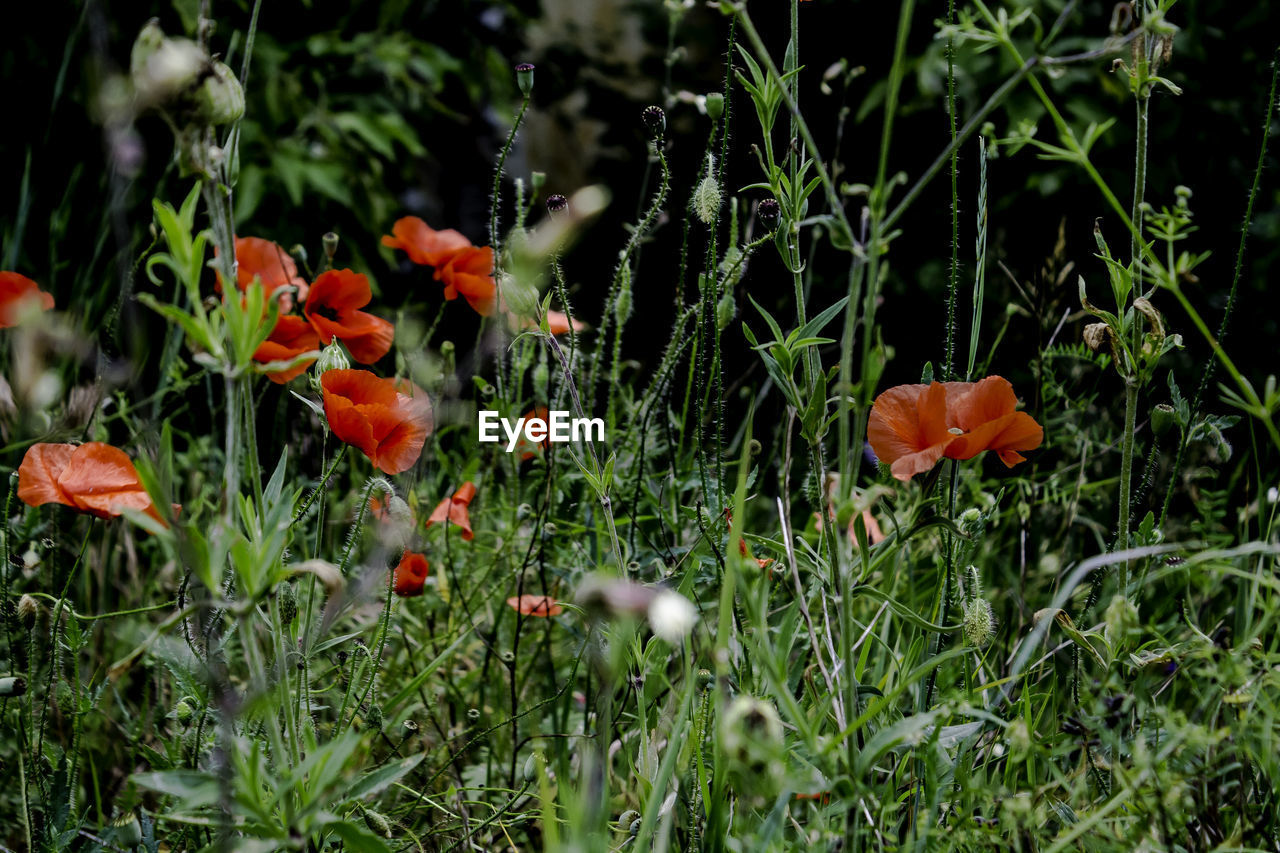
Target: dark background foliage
360	113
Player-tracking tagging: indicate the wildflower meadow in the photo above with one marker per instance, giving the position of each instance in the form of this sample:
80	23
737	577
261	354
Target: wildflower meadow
586	425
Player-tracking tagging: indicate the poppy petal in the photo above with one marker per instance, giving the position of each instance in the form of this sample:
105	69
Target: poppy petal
535	605
101	479
423	244
16	291
367	337
410	575
908	428
38	474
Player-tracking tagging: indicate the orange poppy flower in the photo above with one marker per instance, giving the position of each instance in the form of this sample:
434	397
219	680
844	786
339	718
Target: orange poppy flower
95	478
526	448
410	575
557	323
16	290
377	416
470	272
291	337
535	605
913	426
984	413
456	510
423	244
333	309
270	263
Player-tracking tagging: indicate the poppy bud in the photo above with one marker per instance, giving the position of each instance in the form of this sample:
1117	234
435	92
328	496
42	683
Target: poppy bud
63	697
715	105
183	712
540	376
706	198
524	77
726	308
706	680
332	357
376	822
288	603
557	204
979	622
330	242
374	718
655	120
220	98
622	308
28	609
1120	622
769	212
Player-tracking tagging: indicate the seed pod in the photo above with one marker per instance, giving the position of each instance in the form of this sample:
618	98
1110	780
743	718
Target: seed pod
330	243
557	204
524	77
769	213
128	830
655	121
1163	418
715	105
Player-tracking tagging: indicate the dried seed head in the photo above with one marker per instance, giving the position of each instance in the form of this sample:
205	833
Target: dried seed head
1096	335
127	829
330	242
655	121
769	212
524	77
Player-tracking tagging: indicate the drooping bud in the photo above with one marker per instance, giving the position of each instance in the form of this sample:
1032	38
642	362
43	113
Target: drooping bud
220	98
979	622
715	105
1163	418
769	213
28	609
706	198
655	121
726	308
524	77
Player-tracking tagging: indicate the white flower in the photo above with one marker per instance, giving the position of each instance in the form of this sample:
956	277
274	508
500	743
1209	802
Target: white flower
672	616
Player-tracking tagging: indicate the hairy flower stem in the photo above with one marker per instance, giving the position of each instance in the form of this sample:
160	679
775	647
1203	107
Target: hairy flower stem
1126	474
495	202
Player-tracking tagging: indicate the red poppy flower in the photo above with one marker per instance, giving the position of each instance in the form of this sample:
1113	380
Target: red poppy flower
913	426
557	323
535	605
526	448
410	575
16	291
455	510
387	422
908	428
271	264
984	412
291	337
95	478
333	309
470	272
423	244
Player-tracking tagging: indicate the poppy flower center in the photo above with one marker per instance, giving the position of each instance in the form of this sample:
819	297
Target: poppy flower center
327	312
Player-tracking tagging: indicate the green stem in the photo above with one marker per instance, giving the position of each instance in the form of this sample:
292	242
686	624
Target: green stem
1126	473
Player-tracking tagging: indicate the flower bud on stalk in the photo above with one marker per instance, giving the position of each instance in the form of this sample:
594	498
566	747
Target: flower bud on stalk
524	77
769	213
655	120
